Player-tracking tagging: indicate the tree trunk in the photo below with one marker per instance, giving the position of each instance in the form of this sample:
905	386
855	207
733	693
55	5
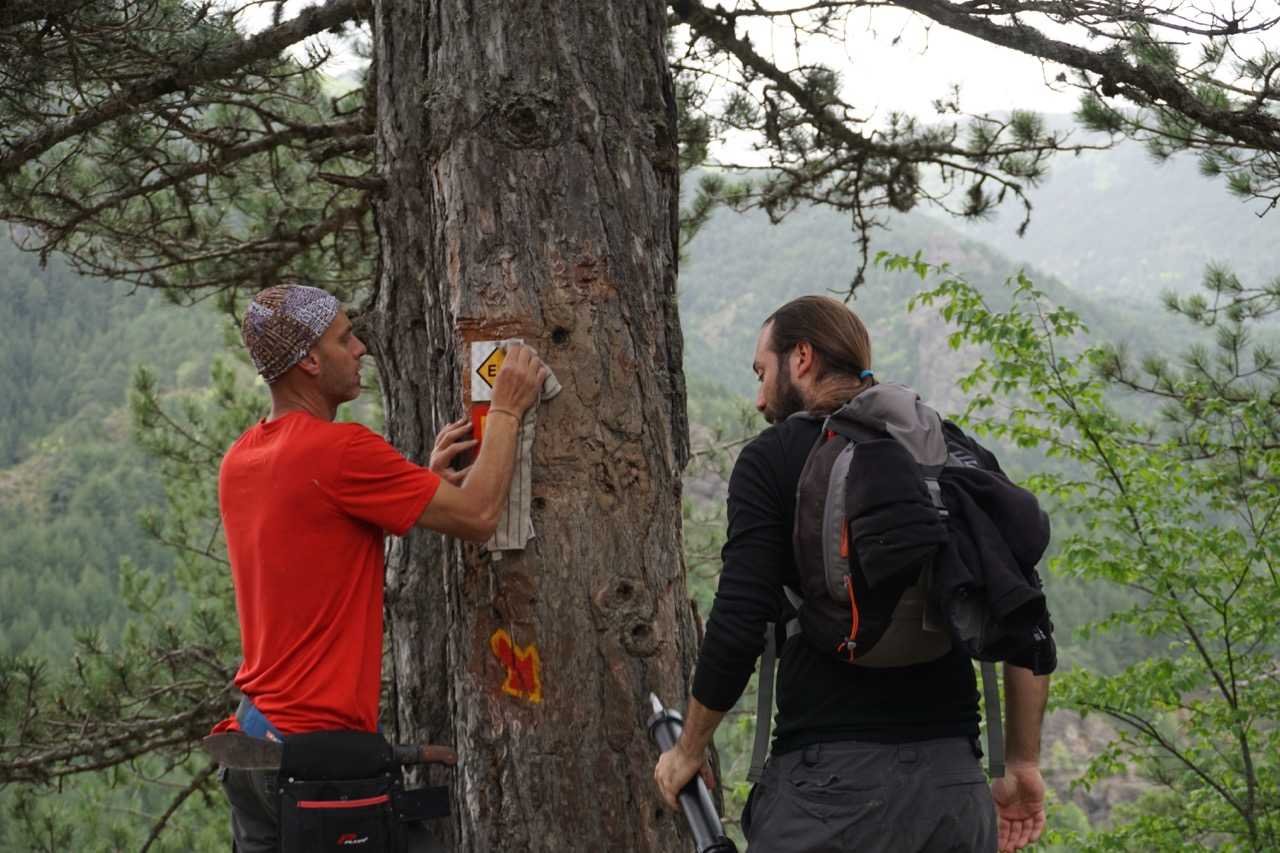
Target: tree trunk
529	153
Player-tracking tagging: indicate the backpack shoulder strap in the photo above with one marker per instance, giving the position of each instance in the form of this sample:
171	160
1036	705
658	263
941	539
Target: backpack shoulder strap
995	724
765	687
764	703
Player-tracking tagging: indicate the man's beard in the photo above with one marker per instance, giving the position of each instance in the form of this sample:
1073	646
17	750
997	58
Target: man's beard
786	397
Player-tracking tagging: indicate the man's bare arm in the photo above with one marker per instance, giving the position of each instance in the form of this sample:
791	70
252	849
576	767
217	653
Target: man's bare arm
1019	795
471	511
1025	697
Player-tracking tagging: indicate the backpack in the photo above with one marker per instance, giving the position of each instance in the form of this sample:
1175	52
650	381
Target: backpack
897	558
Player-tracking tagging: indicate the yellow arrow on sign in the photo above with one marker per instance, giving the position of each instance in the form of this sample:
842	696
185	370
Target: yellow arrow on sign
488	369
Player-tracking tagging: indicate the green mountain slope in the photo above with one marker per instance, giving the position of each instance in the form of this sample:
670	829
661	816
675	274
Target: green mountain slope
72	483
1119	225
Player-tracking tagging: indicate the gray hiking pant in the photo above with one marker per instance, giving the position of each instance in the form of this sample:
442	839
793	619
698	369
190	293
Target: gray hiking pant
255	809
925	797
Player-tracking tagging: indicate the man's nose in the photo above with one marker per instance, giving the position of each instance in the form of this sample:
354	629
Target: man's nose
361	349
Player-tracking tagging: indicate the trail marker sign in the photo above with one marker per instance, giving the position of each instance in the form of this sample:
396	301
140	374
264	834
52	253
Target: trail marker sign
489	368
486	361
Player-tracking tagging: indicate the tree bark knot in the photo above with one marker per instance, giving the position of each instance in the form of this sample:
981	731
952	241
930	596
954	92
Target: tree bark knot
528	120
625	607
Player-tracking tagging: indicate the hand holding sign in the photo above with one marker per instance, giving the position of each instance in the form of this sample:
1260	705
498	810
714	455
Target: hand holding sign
518	380
449	444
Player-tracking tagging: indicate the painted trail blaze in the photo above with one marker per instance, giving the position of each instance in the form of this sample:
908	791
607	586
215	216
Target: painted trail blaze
524	669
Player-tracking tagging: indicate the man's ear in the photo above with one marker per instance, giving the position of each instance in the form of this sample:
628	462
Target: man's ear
310	363
803	360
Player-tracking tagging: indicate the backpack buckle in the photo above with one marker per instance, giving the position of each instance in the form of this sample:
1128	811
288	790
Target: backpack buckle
935	494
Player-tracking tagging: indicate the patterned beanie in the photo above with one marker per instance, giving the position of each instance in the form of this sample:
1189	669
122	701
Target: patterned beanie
283	323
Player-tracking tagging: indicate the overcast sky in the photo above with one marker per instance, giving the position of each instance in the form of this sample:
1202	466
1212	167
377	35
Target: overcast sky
922	65
878	75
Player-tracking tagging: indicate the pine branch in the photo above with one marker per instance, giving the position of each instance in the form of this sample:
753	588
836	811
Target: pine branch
218	161
1147	83
18	12
178	800
703	22
263	45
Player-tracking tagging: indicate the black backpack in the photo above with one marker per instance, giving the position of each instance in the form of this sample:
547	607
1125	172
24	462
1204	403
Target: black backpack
906	544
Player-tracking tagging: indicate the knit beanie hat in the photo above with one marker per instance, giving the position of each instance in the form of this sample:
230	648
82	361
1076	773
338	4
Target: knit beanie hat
283	323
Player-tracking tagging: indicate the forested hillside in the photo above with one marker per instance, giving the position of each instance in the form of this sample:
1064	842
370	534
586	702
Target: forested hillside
71	482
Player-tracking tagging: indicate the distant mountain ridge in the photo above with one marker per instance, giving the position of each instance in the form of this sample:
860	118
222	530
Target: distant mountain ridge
1118	224
741	268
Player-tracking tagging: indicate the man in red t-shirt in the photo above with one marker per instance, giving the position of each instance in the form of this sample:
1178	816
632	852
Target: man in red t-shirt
306	504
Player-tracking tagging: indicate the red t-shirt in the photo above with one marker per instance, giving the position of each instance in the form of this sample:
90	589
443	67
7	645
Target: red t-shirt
305	503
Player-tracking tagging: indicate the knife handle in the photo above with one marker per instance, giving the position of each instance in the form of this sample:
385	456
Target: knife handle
424	753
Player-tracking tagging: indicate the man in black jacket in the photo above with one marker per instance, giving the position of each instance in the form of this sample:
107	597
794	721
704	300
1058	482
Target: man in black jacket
862	759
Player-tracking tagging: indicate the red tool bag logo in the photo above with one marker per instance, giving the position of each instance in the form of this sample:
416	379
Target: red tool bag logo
350	839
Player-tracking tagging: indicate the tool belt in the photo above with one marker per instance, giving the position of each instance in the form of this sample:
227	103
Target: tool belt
342	790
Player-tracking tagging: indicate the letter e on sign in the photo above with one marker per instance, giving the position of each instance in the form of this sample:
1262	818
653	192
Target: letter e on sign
490	366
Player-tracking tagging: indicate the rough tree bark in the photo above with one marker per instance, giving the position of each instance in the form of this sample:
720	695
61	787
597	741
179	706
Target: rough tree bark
530	162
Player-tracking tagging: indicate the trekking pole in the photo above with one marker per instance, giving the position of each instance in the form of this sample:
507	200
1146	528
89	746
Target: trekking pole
665	727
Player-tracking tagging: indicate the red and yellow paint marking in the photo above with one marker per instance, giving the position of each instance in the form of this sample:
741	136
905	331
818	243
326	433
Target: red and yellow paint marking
479	413
524	668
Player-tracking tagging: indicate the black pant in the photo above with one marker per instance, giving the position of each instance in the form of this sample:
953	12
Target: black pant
255	809
924	797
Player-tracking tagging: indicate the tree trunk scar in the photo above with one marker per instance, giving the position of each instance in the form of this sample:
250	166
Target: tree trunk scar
625	608
515	599
496	329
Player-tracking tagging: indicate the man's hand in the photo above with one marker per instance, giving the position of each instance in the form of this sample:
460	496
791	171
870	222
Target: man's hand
519	381
1019	799
448	445
674	770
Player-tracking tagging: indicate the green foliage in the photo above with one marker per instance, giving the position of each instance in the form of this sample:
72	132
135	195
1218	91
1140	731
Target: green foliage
1178	505
247	174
